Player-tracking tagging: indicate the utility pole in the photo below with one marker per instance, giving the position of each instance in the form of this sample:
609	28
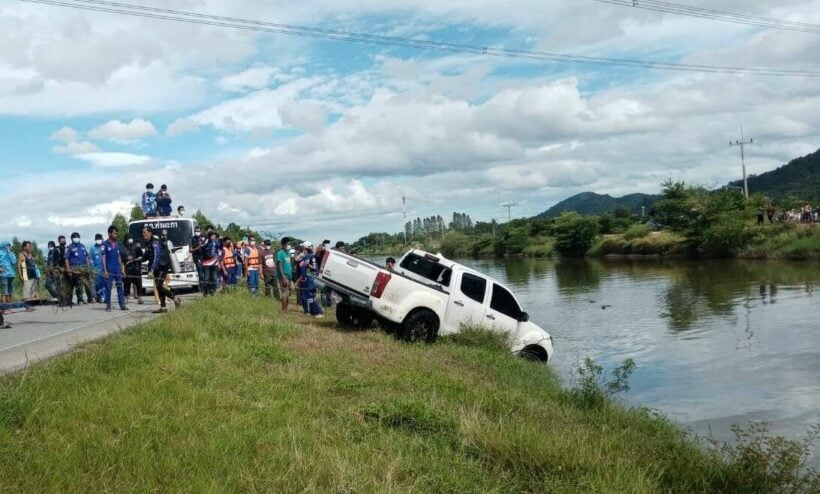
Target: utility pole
742	143
509	206
404	226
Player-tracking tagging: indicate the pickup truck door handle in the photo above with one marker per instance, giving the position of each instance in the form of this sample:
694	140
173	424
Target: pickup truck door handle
352	264
459	303
490	316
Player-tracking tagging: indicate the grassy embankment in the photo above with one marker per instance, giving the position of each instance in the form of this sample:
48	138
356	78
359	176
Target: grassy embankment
228	394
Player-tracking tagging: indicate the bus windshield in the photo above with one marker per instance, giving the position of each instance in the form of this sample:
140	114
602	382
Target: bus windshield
179	231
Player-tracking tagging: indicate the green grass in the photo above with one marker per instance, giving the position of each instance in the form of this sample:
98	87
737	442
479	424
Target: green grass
230	395
541	247
785	242
663	243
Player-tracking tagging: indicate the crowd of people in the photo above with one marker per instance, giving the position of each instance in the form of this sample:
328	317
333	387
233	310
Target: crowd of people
803	214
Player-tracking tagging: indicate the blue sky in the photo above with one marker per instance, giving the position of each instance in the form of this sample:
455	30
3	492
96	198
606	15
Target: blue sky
322	138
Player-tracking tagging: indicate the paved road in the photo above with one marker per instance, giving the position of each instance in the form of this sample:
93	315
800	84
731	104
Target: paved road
49	330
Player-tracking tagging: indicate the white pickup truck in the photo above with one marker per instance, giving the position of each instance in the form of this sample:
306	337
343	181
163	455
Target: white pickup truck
427	296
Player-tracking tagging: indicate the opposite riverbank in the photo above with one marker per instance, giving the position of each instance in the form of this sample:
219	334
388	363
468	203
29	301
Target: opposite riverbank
230	394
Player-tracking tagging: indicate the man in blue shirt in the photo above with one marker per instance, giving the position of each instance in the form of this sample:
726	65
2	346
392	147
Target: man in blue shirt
96	254
77	264
113	269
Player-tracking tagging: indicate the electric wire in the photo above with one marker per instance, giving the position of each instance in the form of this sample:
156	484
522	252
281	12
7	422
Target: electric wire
394	41
716	15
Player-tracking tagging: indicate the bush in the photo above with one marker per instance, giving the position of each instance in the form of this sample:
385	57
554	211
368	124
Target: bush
574	234
595	390
637	231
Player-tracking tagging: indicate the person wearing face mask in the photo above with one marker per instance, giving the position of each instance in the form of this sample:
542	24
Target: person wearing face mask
113	269
211	253
131	253
96	254
53	272
253	265
77	265
229	266
148	202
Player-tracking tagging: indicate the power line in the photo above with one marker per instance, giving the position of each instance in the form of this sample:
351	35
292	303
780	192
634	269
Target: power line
716	15
394	41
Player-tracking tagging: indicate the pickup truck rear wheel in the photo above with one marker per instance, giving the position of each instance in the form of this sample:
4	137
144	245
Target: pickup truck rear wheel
344	315
421	325
352	317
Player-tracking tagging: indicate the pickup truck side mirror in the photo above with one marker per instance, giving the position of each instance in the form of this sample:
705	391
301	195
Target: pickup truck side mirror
523	317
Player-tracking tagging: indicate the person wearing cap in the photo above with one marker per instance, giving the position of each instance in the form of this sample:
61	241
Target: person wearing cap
253	264
269	269
8	263
306	283
284	270
96	254
163	201
148	202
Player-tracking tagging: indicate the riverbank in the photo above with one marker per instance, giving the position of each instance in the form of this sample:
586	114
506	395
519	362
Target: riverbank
230	394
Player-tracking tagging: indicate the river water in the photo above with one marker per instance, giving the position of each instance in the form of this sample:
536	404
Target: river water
716	343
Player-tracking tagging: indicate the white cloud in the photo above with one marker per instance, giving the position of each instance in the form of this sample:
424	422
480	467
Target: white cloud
256	77
301	115
65	134
113	160
118	131
74	148
181	126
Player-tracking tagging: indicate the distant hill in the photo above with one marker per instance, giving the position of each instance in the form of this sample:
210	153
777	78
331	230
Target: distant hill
799	178
592	203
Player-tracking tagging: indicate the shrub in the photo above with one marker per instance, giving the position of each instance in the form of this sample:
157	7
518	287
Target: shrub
574	234
595	390
637	231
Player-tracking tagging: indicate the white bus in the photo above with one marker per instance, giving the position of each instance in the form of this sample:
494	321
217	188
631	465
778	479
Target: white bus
179	231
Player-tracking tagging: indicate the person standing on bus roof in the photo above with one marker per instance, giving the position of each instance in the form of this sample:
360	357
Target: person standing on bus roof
163	200
159	263
148	202
253	264
113	269
180	211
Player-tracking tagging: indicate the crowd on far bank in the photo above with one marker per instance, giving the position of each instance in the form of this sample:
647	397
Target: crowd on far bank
803	214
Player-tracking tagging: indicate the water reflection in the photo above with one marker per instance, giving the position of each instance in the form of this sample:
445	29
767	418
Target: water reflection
578	275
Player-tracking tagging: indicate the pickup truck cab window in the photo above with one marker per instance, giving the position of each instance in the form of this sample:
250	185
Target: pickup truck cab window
503	302
426	268
473	287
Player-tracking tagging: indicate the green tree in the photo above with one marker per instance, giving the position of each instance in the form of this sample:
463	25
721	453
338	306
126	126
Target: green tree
121	223
574	234
136	213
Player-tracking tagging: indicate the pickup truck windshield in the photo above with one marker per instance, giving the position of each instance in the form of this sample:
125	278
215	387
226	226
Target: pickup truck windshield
426	268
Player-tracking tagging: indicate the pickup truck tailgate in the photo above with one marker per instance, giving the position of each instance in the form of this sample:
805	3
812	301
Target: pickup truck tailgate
349	272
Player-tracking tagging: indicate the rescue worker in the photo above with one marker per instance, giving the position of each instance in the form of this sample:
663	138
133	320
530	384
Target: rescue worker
96	254
269	269
163	202
239	251
253	265
229	266
159	263
131	253
113	269
148	202
306	284
60	257
77	265
210	264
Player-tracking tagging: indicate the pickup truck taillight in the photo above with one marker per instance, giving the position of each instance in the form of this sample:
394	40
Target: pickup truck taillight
380	284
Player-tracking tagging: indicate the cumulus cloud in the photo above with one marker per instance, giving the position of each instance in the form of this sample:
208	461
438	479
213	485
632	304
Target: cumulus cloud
181	126
65	134
118	131
113	160
74	148
255	77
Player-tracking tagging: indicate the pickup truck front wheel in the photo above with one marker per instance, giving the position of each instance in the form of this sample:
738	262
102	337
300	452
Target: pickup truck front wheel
421	325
